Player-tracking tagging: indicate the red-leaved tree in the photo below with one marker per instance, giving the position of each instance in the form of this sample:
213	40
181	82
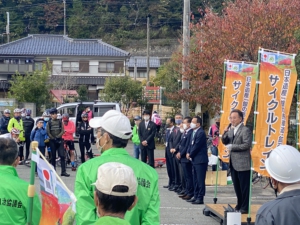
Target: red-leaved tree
237	34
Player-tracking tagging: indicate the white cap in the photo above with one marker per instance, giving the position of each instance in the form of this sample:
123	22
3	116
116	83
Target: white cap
115	123
112	174
283	164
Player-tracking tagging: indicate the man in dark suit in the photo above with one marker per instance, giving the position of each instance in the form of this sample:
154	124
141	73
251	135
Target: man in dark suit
184	162
170	122
238	141
197	153
175	138
147	130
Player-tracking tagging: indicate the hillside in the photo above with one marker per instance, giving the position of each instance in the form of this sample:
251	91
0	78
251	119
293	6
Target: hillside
114	21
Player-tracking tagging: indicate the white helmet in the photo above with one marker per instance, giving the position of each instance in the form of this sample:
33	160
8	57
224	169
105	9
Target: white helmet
283	164
7	111
17	110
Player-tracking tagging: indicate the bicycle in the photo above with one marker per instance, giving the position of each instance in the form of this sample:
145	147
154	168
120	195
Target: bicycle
68	156
257	177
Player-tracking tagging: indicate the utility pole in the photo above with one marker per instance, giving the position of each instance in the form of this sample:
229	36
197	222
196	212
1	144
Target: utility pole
185	52
64	17
135	68
7	27
148	47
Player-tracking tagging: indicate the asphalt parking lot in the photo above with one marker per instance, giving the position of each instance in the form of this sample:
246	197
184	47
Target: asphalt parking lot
173	210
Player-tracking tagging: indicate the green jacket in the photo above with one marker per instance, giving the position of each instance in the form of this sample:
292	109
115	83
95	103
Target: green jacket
146	211
109	220
14	199
18	125
135	136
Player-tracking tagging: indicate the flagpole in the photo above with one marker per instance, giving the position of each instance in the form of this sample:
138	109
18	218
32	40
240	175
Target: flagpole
31	188
269	50
218	161
236	61
297	116
253	138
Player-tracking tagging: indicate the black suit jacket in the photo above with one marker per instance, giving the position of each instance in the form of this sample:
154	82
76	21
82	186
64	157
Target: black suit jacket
184	145
147	134
175	137
198	147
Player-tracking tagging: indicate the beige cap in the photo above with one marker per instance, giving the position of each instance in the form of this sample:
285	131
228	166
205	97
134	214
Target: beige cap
112	174
115	123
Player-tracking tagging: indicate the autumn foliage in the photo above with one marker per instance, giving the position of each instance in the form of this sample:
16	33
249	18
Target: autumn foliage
237	34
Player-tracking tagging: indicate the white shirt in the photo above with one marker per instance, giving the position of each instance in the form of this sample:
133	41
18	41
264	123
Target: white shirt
146	123
236	128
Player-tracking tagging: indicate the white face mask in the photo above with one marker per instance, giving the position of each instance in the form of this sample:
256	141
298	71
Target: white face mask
146	118
181	130
100	148
193	125
184	126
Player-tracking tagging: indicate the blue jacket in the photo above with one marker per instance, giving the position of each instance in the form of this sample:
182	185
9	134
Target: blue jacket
45	125
198	147
39	135
3	124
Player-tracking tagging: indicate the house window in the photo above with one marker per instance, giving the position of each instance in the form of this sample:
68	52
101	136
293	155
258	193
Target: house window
38	66
70	67
106	67
142	74
131	74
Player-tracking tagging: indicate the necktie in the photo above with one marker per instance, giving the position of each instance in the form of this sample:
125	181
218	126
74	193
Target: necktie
194	132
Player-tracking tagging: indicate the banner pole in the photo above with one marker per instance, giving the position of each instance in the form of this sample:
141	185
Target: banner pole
31	187
218	161
297	116
253	138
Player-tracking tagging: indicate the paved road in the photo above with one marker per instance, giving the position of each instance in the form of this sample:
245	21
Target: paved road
174	210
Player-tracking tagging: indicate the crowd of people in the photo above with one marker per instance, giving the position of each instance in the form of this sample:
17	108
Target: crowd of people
117	188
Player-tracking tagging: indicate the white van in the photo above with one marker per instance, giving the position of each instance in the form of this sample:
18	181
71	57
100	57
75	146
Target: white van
74	109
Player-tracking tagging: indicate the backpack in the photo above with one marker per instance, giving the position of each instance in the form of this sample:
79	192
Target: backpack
157	120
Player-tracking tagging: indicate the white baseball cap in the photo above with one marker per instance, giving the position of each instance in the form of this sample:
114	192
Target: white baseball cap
115	123
112	174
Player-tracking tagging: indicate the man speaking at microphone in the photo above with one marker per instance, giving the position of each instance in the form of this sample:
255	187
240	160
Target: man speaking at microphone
238	139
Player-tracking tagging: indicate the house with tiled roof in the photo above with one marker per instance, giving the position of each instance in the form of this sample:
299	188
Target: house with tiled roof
81	61
140	62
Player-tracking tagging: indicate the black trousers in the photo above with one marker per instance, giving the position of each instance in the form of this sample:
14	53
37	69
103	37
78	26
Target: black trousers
170	167
147	153
58	147
187	168
199	174
21	151
176	171
27	146
241	184
87	146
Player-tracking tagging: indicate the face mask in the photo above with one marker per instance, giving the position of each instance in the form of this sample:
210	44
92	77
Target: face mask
181	130
46	119
27	117
218	124
193	125
178	121
184	126
146	118
22	114
17	117
100	148
88	110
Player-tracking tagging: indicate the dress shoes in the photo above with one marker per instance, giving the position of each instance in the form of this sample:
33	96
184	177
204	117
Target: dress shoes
65	174
187	197
242	211
166	186
198	202
182	192
191	200
178	190
172	189
182	196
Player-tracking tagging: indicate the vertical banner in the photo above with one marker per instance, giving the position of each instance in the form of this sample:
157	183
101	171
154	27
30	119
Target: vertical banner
239	90
58	205
278	79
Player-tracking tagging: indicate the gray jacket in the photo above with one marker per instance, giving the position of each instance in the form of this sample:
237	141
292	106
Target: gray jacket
240	157
284	210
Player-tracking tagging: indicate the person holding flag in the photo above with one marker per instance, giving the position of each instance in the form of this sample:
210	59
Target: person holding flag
13	190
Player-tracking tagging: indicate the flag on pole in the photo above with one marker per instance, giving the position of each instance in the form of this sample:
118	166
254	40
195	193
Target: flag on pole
239	90
58	202
278	79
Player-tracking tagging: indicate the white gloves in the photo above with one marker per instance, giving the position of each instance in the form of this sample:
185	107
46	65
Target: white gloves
229	147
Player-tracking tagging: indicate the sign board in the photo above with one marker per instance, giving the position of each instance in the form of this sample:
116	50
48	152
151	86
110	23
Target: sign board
152	94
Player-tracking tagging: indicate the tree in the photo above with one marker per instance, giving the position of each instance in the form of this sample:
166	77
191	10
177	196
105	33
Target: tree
32	87
82	93
122	89
245	25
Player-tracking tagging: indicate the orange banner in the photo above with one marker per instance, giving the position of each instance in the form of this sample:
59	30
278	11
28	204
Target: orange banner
278	78
239	93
